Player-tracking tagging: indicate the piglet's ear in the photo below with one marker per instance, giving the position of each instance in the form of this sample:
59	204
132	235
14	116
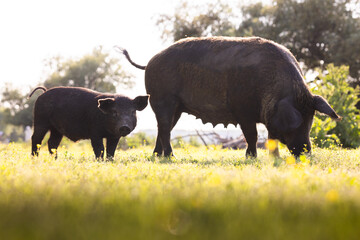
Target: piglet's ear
286	117
106	104
141	102
321	105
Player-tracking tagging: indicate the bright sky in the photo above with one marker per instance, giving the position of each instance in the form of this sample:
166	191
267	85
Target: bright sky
32	31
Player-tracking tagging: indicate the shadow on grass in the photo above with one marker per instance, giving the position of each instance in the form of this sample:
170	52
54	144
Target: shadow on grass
206	161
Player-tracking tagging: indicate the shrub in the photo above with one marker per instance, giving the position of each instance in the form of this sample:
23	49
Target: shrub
333	85
136	140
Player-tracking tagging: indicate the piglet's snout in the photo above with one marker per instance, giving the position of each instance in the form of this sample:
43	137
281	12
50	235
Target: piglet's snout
124	130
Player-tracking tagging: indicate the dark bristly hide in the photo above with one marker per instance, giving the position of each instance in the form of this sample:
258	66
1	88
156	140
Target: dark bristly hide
80	113
232	80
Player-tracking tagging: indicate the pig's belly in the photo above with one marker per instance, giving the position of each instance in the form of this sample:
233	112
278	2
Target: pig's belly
206	97
72	131
212	114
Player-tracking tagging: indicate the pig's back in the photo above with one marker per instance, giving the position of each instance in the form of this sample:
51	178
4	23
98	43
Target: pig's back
71	111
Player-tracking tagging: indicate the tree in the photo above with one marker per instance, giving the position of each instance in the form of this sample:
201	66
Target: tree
98	71
316	31
210	19
16	107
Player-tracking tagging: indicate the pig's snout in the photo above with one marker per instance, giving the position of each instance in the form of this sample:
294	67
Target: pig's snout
124	130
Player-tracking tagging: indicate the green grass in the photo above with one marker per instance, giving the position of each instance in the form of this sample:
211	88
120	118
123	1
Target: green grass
202	194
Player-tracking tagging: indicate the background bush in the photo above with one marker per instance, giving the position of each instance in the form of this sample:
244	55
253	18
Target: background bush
332	84
136	140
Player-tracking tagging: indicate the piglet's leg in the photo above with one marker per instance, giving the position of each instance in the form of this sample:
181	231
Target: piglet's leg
111	144
54	141
98	147
36	139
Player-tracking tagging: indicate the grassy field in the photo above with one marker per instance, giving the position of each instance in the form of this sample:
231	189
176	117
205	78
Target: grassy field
202	194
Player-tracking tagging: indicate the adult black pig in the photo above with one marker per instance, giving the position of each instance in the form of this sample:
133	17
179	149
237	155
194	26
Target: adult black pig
232	80
80	113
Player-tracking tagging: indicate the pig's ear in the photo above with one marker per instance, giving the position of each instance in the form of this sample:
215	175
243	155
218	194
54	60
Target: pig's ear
286	117
321	105
141	102
106	104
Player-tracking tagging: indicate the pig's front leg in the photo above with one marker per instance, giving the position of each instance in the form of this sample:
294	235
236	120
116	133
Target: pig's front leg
98	147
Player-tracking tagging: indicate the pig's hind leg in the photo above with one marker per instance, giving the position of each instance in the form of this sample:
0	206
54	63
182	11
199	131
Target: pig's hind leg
36	139
159	147
54	141
167	115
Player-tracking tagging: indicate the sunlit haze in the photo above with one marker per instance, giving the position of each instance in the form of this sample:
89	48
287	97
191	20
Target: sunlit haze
32	31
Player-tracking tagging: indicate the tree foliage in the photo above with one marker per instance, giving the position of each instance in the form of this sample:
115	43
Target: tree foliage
332	84
196	21
315	31
98	71
16	106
